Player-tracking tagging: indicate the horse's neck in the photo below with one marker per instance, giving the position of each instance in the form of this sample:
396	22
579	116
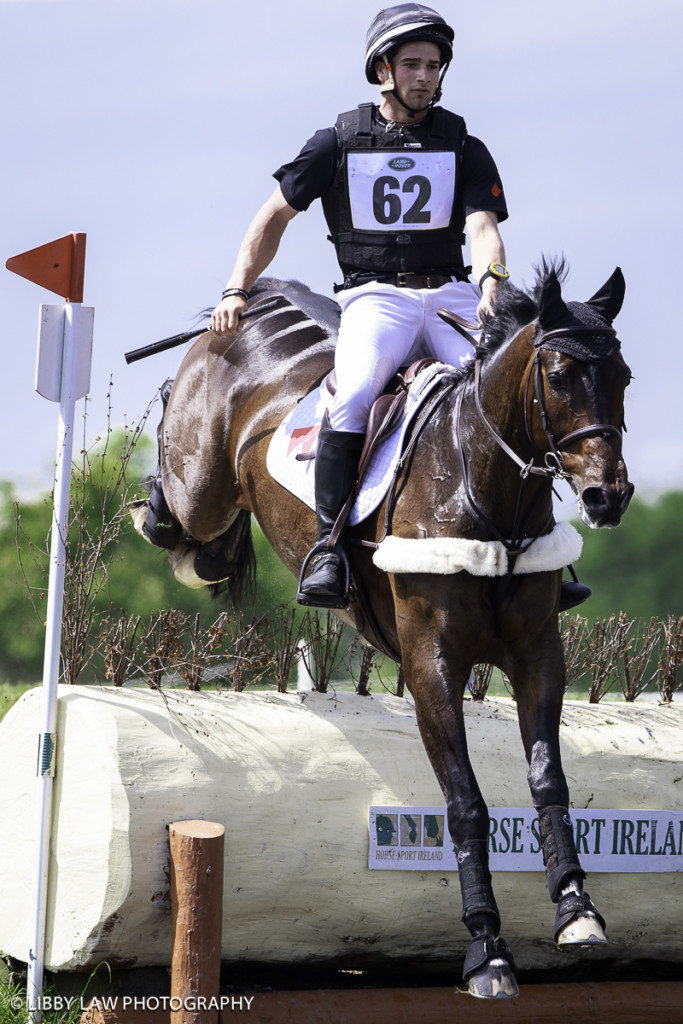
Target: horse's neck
496	477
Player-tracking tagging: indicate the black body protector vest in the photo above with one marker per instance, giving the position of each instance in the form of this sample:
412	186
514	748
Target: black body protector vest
394	204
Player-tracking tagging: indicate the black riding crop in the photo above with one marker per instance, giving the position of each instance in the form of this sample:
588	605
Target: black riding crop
180	339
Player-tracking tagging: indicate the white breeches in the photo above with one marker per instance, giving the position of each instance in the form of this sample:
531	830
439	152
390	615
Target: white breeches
383	328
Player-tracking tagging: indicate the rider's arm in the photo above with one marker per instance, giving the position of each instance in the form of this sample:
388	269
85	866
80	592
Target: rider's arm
257	250
486	247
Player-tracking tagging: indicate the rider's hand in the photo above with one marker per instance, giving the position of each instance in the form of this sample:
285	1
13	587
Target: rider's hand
224	319
487	299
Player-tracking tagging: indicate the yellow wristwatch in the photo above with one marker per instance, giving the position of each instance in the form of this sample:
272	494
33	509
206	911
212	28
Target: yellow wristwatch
497	270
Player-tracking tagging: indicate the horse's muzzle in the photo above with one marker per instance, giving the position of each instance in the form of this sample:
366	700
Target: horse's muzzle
605	505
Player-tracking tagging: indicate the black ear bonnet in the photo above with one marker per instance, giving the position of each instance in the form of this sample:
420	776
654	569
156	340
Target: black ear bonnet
582	330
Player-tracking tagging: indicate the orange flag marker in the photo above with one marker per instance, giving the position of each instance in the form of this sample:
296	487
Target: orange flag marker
58	266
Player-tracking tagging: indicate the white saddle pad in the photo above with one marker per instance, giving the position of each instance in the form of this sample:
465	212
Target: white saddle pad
298	435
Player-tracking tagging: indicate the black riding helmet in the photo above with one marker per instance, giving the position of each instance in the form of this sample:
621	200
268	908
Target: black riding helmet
404	24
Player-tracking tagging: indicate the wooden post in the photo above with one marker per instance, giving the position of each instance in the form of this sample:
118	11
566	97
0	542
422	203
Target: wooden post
196	918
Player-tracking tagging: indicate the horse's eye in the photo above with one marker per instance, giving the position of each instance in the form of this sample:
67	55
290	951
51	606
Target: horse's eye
558	380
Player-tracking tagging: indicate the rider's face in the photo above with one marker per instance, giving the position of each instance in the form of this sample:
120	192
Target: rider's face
416	72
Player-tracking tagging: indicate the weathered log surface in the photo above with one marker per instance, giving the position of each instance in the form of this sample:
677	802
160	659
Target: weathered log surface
291	780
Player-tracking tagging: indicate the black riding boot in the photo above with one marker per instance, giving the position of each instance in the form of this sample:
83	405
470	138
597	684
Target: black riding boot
336	468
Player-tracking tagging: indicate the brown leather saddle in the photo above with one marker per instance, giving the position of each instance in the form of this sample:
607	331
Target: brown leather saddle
387	410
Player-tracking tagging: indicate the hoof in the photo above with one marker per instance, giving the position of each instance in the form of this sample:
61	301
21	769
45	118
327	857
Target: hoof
495	981
489	969
577	920
584	930
138	513
182	564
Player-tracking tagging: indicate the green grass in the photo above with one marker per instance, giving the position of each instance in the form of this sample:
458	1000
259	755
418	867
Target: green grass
13	1007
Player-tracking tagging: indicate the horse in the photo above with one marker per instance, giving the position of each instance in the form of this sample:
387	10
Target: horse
542	400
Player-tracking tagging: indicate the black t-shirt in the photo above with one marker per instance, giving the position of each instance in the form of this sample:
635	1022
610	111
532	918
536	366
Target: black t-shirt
312	172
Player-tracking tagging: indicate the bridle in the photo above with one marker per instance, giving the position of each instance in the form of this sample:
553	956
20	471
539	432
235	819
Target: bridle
604	430
553	459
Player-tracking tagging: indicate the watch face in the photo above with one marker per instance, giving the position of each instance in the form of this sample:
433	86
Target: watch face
499	270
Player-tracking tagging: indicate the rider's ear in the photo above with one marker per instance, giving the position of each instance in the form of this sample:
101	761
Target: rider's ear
552	311
610	298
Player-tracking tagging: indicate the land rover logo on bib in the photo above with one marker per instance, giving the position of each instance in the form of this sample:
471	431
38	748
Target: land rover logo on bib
401	163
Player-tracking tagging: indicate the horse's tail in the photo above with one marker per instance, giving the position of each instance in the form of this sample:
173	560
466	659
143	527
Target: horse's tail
234	549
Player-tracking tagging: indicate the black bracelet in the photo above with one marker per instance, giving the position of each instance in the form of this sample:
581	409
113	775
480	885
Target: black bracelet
235	291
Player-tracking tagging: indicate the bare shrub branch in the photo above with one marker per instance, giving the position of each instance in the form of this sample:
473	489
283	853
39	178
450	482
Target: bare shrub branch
117	638
361	658
321	654
204	647
162	646
635	656
575	632
286	634
480	681
671	657
603	643
249	657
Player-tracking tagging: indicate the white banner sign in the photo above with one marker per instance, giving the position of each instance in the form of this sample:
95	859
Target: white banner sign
417	839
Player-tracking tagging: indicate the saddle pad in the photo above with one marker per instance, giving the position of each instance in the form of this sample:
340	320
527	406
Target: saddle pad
298	435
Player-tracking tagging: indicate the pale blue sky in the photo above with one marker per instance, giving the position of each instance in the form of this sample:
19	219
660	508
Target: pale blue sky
155	128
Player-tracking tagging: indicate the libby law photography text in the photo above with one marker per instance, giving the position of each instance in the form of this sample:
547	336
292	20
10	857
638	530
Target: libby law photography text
417	839
150	1004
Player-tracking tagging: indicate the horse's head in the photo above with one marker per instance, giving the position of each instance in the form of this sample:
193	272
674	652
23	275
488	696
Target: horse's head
578	381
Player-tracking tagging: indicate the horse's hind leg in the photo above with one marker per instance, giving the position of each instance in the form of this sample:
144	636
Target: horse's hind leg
228	559
539	678
437	683
152	518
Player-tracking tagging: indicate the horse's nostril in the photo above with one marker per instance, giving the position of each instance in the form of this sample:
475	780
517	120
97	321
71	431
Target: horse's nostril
595	498
625	498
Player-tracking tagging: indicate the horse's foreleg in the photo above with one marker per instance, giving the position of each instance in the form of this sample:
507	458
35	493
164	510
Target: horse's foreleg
438	691
539	687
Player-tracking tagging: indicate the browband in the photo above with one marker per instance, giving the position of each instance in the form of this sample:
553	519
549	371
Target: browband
542	336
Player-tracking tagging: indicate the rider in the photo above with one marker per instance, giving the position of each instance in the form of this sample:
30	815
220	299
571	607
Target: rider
398	183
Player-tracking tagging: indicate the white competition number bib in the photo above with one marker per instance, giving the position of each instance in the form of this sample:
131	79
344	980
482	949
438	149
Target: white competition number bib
409	190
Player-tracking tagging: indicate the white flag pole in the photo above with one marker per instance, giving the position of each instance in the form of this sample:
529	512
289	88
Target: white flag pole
53	638
64	376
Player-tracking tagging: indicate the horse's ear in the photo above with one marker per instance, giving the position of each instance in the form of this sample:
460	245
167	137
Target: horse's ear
552	311
610	298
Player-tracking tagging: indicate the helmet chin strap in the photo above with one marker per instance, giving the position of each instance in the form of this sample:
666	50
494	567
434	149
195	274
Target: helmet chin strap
388	86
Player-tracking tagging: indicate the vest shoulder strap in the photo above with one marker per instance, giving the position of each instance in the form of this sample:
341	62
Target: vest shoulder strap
354	127
447	130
